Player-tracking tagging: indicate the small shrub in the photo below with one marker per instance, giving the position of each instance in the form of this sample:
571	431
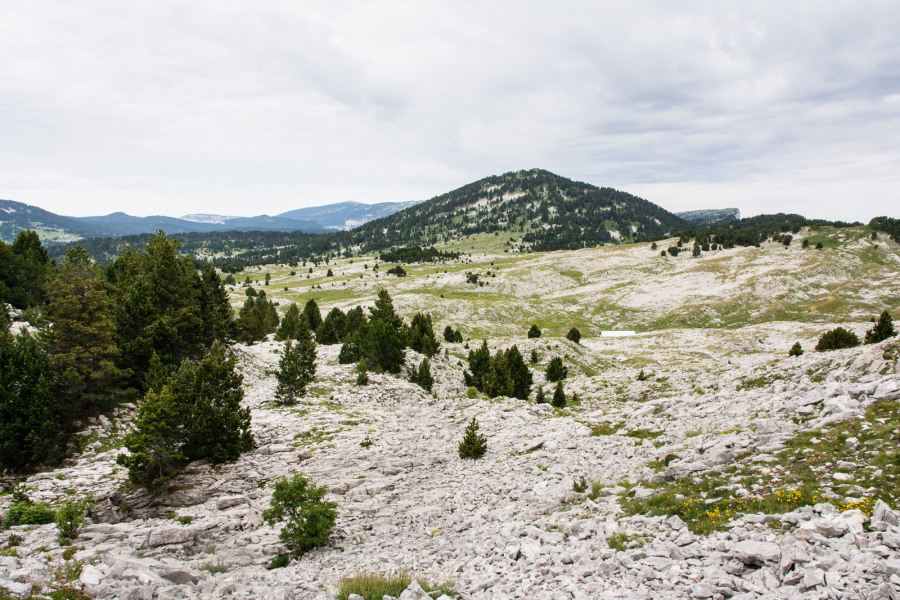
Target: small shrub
574	335
883	329
28	513
819	246
279	562
471	392
534	332
642	376
308	518
837	339
70	516
362	374
375	586
473	445
214	568
367	442
540	397
580	486
796	350
534	356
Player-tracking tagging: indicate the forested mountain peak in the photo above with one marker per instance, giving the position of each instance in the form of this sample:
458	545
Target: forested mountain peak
541	210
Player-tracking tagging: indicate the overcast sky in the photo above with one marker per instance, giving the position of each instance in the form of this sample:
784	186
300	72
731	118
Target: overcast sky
245	108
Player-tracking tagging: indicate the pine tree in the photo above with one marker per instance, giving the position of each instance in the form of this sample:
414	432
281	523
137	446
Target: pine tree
556	370
534	332
540	397
313	314
289	324
331	331
423	375
362	373
196	415
479	365
81	336
297	367
534	356
421	335
30	413
215	307
796	350
519	373
574	335
559	396
473	444
882	330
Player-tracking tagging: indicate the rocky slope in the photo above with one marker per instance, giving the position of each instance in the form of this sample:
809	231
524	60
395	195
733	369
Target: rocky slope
661	412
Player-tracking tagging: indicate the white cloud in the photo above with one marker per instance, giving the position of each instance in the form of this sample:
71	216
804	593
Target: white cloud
245	108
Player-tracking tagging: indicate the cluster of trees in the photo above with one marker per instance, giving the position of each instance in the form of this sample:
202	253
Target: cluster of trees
452	336
379	338
887	225
753	231
839	338
503	374
417	254
257	318
104	336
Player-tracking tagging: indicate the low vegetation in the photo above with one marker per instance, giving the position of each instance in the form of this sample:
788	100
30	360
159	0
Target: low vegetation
375	586
308	518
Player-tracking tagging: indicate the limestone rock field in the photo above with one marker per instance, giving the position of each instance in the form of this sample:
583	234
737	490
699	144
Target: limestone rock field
694	458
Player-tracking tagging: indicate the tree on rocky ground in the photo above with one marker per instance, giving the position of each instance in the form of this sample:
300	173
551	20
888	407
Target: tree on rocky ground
796	350
195	415
540	397
313	314
837	339
331	331
882	330
288	330
534	356
297	367
81	337
559	396
556	370
30	412
574	335
473	444
420	336
534	332
452	336
362	373
423	375
308	518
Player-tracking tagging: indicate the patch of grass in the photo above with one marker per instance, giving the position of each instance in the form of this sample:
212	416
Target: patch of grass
374	586
623	541
314	437
644	434
605	428
214	568
756	383
801	474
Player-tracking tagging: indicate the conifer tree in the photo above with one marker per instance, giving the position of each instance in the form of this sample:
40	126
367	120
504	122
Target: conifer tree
540	397
289	324
195	415
796	350
534	332
479	365
30	413
423	375
362	373
297	367
519	373
313	314
215	307
574	335
331	330
559	396
421	335
556	370
882	330
81	336
473	444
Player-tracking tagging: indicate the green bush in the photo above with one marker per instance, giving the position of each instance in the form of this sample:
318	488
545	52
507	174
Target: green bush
473	445
574	335
297	366
362	373
534	332
796	350
883	330
836	339
309	519
29	513
70	516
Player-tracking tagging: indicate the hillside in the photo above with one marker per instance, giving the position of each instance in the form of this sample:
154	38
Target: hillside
699	459
710	217
346	215
16	216
517	212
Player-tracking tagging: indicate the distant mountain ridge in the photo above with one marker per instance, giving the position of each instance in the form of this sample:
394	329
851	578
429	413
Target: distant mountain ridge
16	216
710	217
